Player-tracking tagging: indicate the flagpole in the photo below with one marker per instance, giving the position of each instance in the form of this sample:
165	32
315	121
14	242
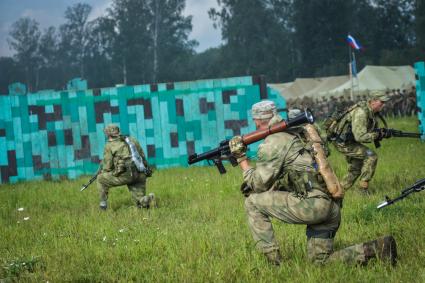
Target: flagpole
350	71
356	78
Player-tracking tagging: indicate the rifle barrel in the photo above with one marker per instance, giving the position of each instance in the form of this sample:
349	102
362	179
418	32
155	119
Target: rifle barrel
397	133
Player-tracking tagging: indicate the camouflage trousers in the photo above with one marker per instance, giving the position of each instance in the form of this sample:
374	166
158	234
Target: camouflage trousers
361	162
320	213
136	184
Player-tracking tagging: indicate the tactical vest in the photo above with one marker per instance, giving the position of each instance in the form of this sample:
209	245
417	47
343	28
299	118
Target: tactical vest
121	156
338	125
299	174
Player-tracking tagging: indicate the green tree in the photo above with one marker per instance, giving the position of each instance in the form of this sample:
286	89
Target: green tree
47	69
170	45
74	36
101	70
10	72
321	28
394	27
256	38
131	39
24	40
420	26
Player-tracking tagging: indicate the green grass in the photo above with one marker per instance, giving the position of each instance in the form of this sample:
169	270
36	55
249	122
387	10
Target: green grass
199	232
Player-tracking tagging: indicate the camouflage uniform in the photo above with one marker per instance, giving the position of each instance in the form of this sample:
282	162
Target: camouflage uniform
357	127
118	169
285	185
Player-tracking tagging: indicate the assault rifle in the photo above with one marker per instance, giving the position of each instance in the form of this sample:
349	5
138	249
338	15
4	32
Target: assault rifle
217	155
93	178
389	133
416	187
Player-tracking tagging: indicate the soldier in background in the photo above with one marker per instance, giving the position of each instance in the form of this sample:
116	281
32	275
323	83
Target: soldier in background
411	102
357	127
119	168
332	105
285	185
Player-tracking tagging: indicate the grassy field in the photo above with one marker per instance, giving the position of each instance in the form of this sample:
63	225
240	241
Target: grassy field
199	232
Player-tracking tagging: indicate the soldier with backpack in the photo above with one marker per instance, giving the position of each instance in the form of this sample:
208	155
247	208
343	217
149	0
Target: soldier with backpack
349	129
123	163
285	185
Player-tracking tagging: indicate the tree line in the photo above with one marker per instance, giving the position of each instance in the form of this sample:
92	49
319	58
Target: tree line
147	41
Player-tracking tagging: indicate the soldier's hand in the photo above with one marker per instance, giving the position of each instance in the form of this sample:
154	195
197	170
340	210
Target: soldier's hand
379	134
386	133
238	148
246	190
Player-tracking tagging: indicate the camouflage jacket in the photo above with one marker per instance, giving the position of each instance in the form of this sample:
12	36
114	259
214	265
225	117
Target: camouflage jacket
360	122
282	164
117	154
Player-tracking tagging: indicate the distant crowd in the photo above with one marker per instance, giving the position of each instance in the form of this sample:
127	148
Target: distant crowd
402	103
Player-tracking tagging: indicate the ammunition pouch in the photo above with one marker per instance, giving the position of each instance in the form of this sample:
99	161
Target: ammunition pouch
119	167
301	183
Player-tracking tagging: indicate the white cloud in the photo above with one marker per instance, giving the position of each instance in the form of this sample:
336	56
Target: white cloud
203	30
99	10
43	17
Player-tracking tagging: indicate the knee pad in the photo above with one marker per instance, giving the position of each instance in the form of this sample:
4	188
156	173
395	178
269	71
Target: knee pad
371	154
320	234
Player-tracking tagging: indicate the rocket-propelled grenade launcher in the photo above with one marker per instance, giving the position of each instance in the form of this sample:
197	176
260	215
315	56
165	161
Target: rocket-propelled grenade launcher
217	155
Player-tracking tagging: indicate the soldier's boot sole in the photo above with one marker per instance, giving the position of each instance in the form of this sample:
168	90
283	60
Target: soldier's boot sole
383	248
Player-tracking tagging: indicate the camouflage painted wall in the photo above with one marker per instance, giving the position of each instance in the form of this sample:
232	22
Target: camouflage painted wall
420	95
56	134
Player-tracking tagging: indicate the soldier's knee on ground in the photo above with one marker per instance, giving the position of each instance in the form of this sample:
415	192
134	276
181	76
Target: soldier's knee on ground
319	249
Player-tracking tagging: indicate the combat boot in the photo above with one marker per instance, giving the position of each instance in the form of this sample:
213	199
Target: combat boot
383	248
103	205
152	200
144	203
274	257
364	188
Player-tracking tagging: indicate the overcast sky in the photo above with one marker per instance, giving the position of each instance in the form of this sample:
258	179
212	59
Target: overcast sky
50	13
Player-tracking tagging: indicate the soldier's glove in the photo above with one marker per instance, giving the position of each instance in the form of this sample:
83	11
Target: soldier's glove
148	172
238	148
382	133
386	133
379	135
246	190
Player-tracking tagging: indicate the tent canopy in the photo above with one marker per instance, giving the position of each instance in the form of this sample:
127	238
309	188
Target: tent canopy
370	78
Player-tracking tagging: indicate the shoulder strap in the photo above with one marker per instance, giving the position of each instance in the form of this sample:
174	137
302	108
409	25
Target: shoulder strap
382	119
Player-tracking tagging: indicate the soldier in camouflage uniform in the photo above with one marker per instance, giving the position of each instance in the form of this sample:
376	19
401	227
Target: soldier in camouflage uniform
355	128
118	169
285	185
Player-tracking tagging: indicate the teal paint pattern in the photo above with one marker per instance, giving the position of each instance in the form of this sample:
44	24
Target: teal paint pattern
420	96
59	134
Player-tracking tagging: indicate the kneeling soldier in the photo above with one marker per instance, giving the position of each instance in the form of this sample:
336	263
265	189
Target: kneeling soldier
285	185
123	163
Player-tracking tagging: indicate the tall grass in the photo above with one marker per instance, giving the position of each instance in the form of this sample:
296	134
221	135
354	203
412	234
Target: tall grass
199	233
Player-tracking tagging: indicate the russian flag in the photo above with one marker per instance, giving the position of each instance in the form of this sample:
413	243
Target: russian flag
353	43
